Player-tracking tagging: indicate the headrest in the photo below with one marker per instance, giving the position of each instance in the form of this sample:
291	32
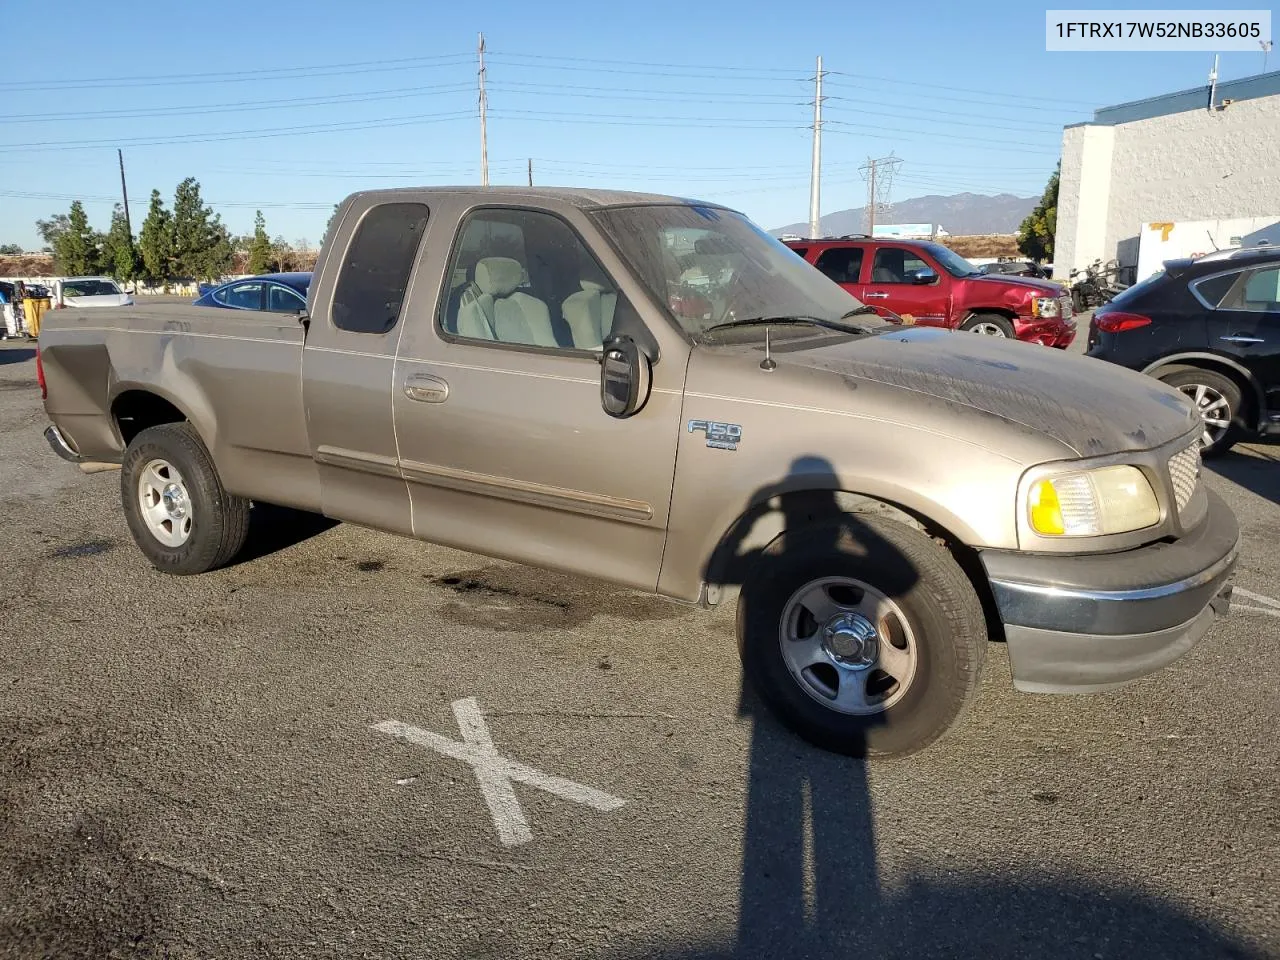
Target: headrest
499	276
591	286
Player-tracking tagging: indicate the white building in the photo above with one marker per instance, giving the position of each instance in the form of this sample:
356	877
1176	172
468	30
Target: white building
1140	169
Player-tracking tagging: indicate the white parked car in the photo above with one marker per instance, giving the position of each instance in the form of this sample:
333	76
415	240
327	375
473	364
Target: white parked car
89	292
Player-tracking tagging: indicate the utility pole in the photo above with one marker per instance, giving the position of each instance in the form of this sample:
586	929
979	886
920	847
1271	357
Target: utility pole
124	190
815	174
1213	84
484	135
1266	49
531	171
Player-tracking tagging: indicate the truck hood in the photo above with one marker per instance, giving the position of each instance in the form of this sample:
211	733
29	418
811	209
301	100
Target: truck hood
1044	287
1093	407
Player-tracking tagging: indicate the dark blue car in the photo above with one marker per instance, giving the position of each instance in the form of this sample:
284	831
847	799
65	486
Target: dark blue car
276	292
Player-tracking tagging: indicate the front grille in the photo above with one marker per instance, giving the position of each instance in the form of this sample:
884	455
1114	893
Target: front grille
1184	471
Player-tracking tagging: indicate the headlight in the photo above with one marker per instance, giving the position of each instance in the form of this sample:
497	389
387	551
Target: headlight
1092	503
1046	307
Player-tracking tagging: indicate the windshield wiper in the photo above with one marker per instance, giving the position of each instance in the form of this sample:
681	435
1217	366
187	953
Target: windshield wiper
799	318
867	311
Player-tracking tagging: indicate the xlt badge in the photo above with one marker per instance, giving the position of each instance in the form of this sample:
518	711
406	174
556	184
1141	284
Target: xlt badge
721	436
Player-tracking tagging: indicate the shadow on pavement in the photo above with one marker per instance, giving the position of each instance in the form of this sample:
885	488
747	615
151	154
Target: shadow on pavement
16	355
810	886
1256	469
272	529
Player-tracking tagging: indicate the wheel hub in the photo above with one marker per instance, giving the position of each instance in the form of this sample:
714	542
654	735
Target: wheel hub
851	639
174	499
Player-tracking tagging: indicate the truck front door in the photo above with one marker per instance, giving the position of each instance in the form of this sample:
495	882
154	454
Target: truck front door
497	402
894	281
349	360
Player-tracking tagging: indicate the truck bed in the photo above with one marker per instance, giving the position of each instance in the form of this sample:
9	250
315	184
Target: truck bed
235	375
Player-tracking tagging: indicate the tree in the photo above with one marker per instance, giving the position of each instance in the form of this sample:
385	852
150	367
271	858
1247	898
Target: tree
51	229
76	250
260	248
1035	235
333	216
155	243
10	250
201	243
119	253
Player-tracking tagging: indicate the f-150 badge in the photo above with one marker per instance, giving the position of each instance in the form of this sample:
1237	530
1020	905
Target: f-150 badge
721	436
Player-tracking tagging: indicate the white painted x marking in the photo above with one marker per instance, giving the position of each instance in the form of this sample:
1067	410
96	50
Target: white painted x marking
1270	607
496	773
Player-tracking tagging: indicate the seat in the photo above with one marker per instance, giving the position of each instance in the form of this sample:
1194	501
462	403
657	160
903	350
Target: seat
493	308
589	314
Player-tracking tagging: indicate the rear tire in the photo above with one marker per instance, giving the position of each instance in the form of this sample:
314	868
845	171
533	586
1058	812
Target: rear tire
180	516
1211	392
990	324
918	673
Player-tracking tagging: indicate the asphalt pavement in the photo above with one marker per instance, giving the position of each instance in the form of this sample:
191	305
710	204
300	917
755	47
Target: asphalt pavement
354	745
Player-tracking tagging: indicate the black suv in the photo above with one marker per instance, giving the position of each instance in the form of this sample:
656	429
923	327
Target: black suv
1211	328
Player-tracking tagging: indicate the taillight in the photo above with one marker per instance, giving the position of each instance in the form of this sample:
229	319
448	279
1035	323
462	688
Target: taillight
44	390
1117	321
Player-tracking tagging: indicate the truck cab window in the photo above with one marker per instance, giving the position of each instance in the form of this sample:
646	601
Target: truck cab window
375	272
524	277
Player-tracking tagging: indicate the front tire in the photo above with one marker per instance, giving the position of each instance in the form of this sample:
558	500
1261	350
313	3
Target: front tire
1218	399
864	636
989	324
180	516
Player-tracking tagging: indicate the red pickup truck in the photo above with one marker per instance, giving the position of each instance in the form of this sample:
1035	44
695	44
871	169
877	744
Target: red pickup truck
929	285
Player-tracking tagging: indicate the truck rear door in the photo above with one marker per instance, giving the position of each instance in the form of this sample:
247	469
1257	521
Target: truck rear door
349	359
497	400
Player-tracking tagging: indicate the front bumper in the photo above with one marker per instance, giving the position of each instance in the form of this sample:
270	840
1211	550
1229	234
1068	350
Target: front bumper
1050	333
1079	624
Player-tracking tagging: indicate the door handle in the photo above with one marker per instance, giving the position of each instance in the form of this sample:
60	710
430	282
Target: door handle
426	389
1242	338
875	296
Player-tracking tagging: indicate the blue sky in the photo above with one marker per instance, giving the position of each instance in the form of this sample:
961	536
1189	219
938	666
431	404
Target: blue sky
288	106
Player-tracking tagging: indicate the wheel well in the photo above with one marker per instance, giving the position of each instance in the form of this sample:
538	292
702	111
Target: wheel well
805	507
1248	390
998	311
136	410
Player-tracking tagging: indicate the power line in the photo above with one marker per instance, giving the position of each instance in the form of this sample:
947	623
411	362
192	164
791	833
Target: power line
641	63
199	109
243	76
703	75
1007	146
264	133
947	86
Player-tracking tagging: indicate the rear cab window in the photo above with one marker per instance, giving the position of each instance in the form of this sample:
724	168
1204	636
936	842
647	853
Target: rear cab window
841	264
376	270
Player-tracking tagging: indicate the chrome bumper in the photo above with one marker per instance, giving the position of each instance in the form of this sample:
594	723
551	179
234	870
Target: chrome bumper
60	445
1087	623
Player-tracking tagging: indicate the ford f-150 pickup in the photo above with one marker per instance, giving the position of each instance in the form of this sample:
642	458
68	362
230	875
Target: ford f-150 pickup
529	374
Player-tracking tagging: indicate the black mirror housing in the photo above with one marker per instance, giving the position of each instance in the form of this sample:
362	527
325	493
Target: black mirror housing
624	377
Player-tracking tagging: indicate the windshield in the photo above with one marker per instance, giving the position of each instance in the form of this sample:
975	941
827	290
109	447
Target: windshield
90	288
711	266
951	261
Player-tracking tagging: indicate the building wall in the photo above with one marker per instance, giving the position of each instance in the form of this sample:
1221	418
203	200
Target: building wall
1084	187
1190	165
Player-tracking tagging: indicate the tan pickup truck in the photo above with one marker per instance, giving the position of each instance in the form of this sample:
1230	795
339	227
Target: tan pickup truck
652	391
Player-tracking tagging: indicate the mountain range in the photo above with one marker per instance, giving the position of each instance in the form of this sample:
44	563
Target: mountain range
962	214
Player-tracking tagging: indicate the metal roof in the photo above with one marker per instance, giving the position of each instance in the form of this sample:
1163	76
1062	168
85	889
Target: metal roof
1184	101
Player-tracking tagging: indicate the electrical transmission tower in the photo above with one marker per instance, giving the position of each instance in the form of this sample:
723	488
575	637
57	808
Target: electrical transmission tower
879	175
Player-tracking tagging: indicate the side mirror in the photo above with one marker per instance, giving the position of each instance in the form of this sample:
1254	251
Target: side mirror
924	276
624	377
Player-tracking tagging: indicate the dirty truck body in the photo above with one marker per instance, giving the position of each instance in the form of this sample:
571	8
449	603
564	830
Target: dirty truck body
515	373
